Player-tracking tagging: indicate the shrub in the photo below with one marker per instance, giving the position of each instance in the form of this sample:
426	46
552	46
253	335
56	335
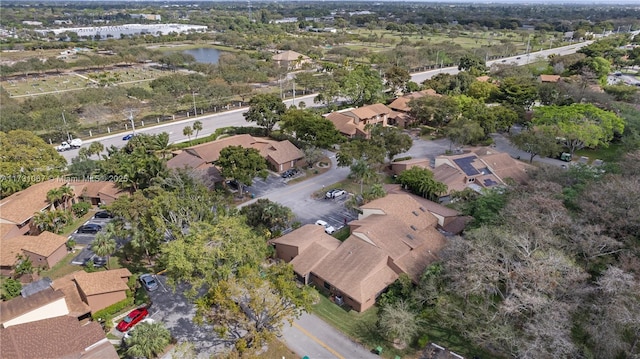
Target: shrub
423	341
81	208
71	244
401	159
10	288
110	311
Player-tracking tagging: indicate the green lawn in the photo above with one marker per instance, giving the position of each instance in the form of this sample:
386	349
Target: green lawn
361	327
607	154
62	268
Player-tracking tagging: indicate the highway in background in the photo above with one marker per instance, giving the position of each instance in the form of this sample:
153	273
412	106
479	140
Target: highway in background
212	122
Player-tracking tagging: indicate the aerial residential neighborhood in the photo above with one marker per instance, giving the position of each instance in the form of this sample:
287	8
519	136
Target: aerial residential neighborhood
320	180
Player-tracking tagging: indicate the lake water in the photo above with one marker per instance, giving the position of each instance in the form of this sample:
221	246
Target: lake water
205	55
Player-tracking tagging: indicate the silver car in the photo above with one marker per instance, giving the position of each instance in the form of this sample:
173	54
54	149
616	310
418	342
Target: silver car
149	282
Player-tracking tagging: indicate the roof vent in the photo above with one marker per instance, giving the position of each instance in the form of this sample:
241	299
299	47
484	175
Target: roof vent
422	209
413	227
410	236
415	213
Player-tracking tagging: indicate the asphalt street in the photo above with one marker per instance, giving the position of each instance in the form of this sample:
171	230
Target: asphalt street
311	336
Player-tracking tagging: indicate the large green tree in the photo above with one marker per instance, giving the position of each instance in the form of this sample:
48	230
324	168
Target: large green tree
537	142
267	215
393	140
362	86
242	164
25	159
310	127
105	244
434	111
579	125
265	110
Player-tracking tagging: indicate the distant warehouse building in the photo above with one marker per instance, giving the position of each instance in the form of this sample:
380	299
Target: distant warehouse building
104	32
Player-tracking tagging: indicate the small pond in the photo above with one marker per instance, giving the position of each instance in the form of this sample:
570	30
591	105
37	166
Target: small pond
205	55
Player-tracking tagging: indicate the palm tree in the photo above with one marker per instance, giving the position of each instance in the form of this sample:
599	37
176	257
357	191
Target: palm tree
187	131
54	196
197	126
104	245
362	172
161	144
95	148
148	340
66	193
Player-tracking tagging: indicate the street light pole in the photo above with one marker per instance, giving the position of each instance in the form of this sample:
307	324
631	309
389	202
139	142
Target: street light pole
66	127
133	125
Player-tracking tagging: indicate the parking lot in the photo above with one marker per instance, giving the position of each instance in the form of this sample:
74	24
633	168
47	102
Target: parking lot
176	312
85	240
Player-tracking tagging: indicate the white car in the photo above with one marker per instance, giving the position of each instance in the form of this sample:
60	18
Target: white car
327	228
127	335
335	193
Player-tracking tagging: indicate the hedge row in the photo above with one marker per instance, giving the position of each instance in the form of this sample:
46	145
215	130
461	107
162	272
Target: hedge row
108	312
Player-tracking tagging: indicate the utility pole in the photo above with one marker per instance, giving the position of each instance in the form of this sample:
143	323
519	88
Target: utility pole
528	48
133	125
294	93
66	127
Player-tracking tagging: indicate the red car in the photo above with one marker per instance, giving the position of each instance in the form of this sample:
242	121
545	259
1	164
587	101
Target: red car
132	319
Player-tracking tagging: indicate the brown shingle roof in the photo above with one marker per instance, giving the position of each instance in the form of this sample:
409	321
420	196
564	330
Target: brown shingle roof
370	111
549	78
504	166
284	151
43	244
185	160
289	56
102	282
21	206
61	337
343	123
96	189
433	207
8	230
67	285
402	103
18	306
9	249
210	151
350	265
450	176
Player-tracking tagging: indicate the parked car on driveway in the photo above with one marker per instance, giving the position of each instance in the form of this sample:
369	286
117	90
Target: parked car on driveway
149	282
133	318
90	228
289	173
103	214
335	193
327	228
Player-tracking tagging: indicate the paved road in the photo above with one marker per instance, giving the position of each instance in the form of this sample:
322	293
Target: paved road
210	124
235	118
517	60
311	336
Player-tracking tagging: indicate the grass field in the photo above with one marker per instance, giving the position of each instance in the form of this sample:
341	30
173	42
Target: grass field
34	85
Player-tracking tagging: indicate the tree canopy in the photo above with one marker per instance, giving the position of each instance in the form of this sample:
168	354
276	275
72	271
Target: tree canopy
579	125
265	110
242	164
25	159
310	127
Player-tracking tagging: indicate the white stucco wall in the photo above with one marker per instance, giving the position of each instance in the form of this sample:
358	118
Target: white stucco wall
54	309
